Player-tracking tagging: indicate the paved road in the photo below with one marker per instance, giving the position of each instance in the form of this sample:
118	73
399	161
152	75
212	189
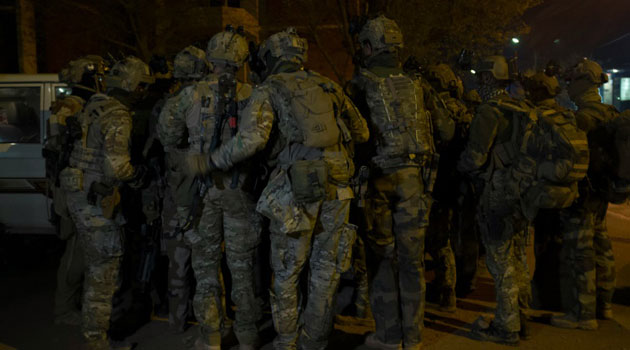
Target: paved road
26	296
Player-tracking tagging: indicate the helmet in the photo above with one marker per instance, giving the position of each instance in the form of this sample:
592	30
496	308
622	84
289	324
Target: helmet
128	73
544	82
497	65
190	63
442	76
589	70
382	33
229	47
285	45
74	72
472	97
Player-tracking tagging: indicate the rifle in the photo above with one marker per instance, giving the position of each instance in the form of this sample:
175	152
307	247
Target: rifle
228	107
149	252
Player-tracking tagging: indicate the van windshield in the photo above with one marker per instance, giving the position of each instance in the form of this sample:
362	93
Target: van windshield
19	114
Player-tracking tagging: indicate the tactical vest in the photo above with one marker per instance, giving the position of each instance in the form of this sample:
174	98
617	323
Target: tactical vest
403	129
201	125
88	153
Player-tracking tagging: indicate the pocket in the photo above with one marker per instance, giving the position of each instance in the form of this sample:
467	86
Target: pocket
71	179
278	204
344	250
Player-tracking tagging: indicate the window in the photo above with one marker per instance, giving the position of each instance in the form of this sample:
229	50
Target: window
19	114
217	2
234	3
624	89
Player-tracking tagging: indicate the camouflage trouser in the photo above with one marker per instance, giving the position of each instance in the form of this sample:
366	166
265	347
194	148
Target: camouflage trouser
503	232
362	292
101	241
400	210
438	245
69	275
228	216
588	266
180	272
327	250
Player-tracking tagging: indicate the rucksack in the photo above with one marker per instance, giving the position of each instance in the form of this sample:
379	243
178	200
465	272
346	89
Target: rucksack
552	156
311	104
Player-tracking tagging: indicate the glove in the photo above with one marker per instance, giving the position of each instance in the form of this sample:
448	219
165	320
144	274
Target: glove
140	177
199	164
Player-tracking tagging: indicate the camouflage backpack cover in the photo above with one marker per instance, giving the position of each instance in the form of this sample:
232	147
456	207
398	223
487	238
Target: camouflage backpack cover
550	155
310	100
404	127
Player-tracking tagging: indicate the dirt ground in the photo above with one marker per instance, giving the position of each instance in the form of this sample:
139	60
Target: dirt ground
27	282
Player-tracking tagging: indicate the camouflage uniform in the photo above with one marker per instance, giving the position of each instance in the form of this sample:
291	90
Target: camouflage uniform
189	65
101	157
588	266
448	210
83	76
399	202
503	226
228	213
313	232
71	266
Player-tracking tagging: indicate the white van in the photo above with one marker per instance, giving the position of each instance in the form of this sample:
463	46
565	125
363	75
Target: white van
25	101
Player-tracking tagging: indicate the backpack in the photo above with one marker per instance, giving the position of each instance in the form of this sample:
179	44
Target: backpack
552	156
310	101
404	127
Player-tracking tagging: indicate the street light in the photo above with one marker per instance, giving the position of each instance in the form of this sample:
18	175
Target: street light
515	40
472	71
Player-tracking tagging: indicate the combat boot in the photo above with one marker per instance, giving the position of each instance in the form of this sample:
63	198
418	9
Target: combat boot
570	321
448	301
373	343
201	345
604	312
525	333
121	345
494	334
97	344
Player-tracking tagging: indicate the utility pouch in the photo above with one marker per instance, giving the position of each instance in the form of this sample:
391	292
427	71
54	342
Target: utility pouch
111	204
110	198
430	172
71	179
308	180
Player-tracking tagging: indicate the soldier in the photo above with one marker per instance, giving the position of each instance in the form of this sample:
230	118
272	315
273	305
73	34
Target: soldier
210	108
448	211
308	196
588	266
84	78
502	223
542	90
190	66
401	179
99	164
